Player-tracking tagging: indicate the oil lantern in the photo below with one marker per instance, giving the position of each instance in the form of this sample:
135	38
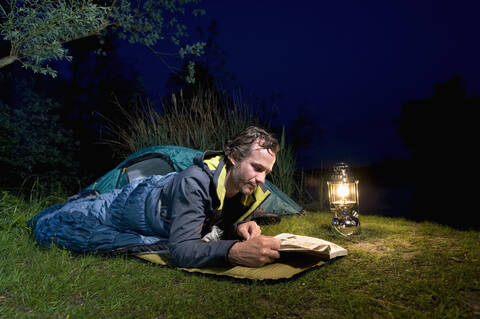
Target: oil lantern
343	197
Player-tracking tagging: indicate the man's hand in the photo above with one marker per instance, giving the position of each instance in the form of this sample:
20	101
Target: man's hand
255	252
249	230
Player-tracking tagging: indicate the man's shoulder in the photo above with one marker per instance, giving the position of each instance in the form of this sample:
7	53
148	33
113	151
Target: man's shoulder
196	172
193	180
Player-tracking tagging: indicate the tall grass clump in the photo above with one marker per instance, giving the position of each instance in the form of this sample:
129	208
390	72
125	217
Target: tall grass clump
202	121
284	169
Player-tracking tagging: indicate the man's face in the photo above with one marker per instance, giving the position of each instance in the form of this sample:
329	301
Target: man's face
247	174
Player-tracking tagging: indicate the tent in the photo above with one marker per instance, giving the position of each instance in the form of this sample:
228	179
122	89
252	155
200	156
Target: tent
163	159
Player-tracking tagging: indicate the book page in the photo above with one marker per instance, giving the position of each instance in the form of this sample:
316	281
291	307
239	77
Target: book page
291	242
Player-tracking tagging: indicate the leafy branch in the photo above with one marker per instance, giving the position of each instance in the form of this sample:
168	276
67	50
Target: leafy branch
38	29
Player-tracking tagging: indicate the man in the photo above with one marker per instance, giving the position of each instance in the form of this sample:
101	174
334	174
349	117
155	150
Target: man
198	215
221	189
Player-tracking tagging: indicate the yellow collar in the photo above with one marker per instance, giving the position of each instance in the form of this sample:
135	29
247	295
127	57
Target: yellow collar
217	164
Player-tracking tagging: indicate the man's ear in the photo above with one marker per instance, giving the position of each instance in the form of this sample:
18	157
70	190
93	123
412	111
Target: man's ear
232	159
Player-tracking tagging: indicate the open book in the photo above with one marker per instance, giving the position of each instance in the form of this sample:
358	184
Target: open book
310	245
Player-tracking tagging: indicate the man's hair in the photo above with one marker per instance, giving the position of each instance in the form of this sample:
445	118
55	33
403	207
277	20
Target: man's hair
241	145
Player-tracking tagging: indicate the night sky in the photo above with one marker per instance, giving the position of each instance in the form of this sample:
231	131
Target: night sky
349	64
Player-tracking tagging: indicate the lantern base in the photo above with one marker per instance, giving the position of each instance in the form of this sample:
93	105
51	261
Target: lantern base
346	227
345	220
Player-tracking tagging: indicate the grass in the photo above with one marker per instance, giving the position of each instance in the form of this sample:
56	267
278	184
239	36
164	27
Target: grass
395	269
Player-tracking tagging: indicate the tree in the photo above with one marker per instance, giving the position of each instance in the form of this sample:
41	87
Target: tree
439	133
32	140
84	96
89	95
436	129
38	30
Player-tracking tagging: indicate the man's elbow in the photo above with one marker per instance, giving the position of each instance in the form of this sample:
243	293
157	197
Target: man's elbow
196	255
181	256
177	257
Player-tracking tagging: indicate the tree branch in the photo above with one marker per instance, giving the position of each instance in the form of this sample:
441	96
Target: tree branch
86	35
6	60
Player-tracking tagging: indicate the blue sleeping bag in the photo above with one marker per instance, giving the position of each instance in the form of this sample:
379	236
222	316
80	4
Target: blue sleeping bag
116	221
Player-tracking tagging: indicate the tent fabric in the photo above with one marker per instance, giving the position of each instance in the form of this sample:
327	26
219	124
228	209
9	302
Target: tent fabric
180	158
278	202
177	158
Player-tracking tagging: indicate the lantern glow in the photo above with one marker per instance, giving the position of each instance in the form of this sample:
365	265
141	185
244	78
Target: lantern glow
343	197
342	190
